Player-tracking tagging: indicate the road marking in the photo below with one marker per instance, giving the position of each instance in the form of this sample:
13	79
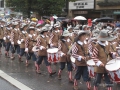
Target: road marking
13	81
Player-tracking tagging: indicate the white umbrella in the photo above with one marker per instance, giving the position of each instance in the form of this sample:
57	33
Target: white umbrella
80	18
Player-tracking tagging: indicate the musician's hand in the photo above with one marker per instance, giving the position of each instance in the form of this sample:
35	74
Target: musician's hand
83	58
64	54
102	65
54	44
43	48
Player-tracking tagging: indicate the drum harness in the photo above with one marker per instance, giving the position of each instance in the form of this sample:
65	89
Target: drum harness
103	47
83	51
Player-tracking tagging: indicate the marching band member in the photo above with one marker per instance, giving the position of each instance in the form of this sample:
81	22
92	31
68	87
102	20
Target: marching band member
14	38
80	53
7	34
92	41
42	53
29	44
100	55
38	28
72	36
54	38
64	46
22	38
2	29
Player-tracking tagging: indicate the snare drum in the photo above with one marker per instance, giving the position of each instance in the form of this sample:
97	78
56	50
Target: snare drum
91	65
113	68
53	55
73	61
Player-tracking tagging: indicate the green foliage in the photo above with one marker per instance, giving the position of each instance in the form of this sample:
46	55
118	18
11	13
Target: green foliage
43	7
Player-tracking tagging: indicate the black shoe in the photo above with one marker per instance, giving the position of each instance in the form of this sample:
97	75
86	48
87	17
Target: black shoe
52	73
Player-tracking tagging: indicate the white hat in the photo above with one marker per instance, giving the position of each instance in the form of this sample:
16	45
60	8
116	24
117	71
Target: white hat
15	23
69	28
3	20
44	29
47	25
23	25
56	25
66	33
84	26
38	25
8	23
105	35
32	23
82	32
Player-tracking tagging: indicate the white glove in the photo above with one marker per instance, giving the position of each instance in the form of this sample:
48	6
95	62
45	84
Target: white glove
4	38
22	40
51	45
42	47
8	37
19	42
26	49
98	63
62	54
12	43
79	58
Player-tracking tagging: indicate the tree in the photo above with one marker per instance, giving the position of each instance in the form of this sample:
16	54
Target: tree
43	7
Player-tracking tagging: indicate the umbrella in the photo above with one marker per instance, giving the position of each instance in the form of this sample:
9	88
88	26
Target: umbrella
80	18
104	19
66	20
46	17
40	21
94	20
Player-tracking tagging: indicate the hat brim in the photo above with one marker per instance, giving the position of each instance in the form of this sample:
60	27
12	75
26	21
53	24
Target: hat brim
84	32
43	31
65	35
106	39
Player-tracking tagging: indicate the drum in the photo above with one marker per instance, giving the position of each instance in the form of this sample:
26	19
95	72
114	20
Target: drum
53	55
113	68
73	62
91	65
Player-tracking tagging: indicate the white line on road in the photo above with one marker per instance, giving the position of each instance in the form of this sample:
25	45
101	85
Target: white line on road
13	81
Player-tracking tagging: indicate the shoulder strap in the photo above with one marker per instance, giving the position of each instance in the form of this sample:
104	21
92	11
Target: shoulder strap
65	44
103	47
82	48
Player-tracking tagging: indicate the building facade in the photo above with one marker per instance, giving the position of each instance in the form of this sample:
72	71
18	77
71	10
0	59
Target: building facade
95	8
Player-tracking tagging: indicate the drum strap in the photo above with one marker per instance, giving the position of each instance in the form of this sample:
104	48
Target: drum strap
65	44
82	49
103	47
112	48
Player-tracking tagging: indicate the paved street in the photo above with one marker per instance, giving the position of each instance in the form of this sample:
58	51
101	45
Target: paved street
27	76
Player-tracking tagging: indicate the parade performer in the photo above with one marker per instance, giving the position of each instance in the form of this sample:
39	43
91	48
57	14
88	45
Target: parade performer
22	38
2	29
64	45
7	38
38	28
72	35
14	39
80	53
101	54
30	42
42	44
54	37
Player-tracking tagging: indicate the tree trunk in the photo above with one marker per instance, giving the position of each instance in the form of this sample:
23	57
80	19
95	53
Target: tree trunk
29	8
